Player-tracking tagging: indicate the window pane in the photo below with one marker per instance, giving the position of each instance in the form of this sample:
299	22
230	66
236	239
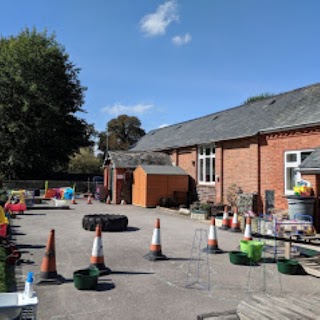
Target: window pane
213	170
291	178
291	157
208	151
207	169
304	155
201	150
201	170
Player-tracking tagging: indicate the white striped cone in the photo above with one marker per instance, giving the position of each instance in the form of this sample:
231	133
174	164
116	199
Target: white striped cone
247	231
108	201
212	246
89	201
97	257
225	219
235	227
155	252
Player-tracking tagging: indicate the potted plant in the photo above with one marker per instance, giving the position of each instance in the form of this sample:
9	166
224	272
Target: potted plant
200	210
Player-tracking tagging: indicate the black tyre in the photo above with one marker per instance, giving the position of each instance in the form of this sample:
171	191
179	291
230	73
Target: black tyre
108	222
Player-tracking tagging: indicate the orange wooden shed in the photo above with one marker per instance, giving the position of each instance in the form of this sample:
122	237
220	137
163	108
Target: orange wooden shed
152	182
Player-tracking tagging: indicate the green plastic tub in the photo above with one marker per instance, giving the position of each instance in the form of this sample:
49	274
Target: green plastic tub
252	248
239	258
86	279
287	266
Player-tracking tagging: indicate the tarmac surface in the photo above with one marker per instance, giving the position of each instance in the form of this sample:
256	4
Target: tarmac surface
139	289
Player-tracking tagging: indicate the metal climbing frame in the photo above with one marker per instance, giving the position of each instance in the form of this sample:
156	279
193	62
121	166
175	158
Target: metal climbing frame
198	275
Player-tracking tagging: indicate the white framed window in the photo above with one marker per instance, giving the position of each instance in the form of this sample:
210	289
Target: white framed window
292	159
206	164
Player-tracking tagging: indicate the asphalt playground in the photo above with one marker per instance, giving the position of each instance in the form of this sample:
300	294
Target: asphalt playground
188	284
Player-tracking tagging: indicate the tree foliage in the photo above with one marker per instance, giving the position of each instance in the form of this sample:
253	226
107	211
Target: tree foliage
40	94
123	132
258	97
85	161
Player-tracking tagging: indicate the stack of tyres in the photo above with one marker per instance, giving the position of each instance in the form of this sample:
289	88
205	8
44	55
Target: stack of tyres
108	222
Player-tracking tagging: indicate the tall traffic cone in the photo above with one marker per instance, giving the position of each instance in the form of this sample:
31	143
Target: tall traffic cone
48	270
89	200
108	200
225	219
73	201
212	246
155	252
97	258
235	226
247	231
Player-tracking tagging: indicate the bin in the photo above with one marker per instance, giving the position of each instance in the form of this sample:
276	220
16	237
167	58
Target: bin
86	279
252	248
300	205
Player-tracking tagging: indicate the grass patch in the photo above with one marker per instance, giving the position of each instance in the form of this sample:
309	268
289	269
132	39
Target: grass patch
7	276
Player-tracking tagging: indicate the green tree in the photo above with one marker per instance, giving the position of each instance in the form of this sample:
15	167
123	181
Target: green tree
258	97
85	161
123	132
40	95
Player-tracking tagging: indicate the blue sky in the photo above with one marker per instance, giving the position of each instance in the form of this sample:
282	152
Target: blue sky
170	61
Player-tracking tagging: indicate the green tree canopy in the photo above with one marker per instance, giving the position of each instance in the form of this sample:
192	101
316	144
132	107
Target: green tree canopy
85	161
40	95
123	132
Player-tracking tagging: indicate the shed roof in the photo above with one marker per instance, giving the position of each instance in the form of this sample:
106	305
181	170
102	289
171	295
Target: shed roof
293	109
131	159
163	170
312	162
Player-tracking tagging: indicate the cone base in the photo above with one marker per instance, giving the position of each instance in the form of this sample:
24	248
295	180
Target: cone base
151	256
48	279
235	230
223	227
102	268
212	250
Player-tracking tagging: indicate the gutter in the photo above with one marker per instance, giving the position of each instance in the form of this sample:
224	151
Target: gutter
298	126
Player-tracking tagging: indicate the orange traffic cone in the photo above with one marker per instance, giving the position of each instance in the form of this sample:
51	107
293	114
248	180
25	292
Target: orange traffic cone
212	246
97	258
48	271
247	231
123	202
108	201
225	219
155	252
89	200
73	201
235	226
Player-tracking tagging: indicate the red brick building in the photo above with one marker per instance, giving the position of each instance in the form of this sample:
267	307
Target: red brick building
257	146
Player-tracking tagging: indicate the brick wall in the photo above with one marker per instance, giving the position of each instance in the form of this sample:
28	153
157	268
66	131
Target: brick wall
272	149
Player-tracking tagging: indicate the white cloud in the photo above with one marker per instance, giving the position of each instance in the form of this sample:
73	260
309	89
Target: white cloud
181	40
118	109
155	24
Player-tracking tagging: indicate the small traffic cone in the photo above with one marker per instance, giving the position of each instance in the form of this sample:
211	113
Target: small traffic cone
123	202
212	246
247	231
155	252
48	270
73	201
97	258
89	200
225	219
108	201
235	226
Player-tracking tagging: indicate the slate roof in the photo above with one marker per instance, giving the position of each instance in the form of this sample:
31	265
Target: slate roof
312	162
164	170
293	109
131	159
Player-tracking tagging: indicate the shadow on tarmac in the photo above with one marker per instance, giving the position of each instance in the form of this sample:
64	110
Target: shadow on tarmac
130	272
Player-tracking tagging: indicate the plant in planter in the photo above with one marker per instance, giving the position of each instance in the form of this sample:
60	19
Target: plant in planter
200	210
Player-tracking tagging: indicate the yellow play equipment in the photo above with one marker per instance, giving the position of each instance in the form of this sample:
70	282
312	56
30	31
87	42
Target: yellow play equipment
3	218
